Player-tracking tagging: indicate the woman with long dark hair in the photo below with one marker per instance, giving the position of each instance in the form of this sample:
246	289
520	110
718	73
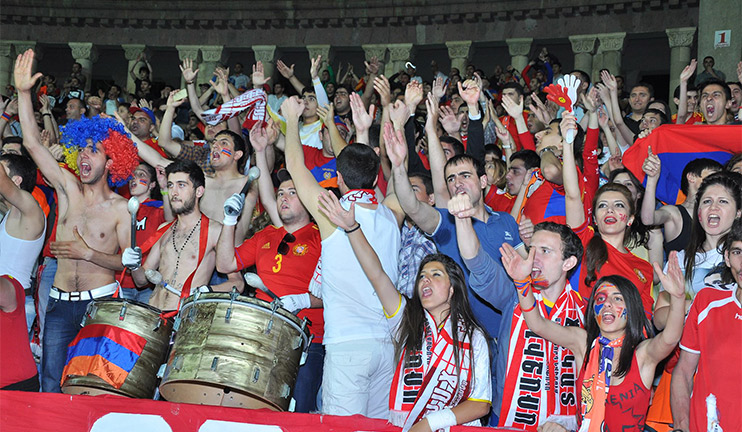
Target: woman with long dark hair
613	211
436	336
615	351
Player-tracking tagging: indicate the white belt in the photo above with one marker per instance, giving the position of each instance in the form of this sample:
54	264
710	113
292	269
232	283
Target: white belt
104	291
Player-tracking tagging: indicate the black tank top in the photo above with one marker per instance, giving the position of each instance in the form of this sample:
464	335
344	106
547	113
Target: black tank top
681	241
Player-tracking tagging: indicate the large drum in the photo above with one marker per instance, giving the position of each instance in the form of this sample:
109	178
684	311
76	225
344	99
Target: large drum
234	351
111	349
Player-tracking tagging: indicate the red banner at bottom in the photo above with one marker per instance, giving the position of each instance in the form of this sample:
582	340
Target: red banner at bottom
23	411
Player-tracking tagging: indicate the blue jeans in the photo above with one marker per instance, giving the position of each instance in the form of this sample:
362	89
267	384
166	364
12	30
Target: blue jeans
63	320
142	296
45	285
309	379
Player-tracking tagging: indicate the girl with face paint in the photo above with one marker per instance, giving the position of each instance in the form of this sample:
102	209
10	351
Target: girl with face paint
615	353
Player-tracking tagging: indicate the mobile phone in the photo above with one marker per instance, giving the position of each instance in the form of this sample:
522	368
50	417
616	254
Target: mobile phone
182	94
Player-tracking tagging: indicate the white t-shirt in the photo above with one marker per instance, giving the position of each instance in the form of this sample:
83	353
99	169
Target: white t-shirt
704	273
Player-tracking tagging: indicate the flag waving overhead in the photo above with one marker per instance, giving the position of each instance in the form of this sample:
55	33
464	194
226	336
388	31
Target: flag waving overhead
105	351
676	145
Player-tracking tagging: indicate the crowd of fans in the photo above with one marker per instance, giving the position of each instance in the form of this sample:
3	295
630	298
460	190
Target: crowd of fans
466	250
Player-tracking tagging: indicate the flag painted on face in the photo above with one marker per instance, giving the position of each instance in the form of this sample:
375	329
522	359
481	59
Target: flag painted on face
676	146
105	351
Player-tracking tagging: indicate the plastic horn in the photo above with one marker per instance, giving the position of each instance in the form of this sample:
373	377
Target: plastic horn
254	281
252	175
133	207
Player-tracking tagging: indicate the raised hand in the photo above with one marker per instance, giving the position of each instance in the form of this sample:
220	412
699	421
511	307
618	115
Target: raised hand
517	267
525	229
569	122
24	81
450	121
285	71
589	100
46	138
460	206
362	119
315	66
381	85
688	71
330	206
652	164
502	133
292	108
399	113
471	90
232	209
413	95
161	177
604	92
513	108
186	68
439	88
396	146
673	281
259	138
56	150
12	107
372	66
258	76
326	114
609	81
44	101
222	79
171	102
431	105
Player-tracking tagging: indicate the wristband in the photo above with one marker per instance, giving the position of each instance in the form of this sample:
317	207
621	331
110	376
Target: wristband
163	192
46	114
230	220
547	149
442	419
530	308
6	116
507	147
190	82
358	226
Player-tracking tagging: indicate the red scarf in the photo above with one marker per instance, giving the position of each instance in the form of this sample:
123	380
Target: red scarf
540	377
253	101
426	384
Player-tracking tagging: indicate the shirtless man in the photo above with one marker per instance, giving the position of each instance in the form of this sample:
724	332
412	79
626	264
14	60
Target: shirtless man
93	222
185	254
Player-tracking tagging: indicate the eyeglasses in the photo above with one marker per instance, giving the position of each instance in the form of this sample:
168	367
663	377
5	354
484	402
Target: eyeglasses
283	247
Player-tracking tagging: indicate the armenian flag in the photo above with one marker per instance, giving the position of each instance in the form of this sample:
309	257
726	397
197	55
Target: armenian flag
676	145
105	351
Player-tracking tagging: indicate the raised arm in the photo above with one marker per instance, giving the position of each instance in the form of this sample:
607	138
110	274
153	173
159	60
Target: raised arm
189	76
306	186
370	263
24	82
470	91
362	119
436	156
288	73
515	110
685	75
610	82
165	137
50	123
21	199
319	89
574	208
519	269
372	70
259	138
146	153
326	113
425	216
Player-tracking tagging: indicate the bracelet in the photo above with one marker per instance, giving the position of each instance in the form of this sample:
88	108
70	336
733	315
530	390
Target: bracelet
442	419
530	308
163	191
547	149
6	116
507	147
46	114
190	82
358	226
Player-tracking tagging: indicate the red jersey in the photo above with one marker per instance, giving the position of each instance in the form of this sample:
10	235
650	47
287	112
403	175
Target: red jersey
285	274
499	200
323	168
713	330
545	202
509	123
149	217
152	142
628	265
16	363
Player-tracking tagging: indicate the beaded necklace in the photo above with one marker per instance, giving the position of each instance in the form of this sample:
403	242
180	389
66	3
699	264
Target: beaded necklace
179	252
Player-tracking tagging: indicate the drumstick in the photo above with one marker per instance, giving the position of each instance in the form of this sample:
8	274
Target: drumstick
252	175
155	278
254	281
133	207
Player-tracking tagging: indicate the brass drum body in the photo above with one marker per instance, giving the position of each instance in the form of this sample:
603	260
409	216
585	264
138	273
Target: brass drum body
234	351
139	318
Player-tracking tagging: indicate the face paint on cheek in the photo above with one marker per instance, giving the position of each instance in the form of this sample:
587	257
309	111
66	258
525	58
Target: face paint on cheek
623	217
597	308
143	182
621	312
226	152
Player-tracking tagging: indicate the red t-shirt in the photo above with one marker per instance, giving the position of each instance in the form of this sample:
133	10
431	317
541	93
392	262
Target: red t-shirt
16	362
499	200
713	330
547	202
628	265
149	217
323	168
285	274
152	142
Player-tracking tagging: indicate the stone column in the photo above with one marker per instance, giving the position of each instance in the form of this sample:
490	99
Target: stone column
399	54
320	50
267	55
681	40
459	52
132	52
611	45
582	47
189	52
6	64
211	56
85	54
519	49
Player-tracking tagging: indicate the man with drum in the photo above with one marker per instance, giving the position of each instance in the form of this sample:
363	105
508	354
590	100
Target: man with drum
184	252
93	222
285	255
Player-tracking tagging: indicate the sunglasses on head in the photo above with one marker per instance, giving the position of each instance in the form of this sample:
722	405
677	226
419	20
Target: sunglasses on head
283	247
